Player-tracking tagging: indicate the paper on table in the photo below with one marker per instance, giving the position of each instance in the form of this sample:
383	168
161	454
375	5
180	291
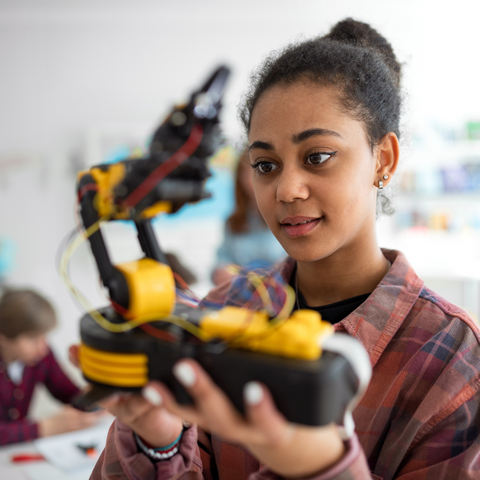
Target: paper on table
64	450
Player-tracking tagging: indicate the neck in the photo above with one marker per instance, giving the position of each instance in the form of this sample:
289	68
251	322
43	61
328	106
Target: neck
341	275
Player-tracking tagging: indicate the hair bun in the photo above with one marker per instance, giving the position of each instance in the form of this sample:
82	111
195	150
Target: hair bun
353	32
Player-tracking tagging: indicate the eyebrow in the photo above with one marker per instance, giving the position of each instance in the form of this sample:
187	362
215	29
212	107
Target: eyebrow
297	138
261	145
313	132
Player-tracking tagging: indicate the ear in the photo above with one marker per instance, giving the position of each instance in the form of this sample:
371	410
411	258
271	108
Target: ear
387	154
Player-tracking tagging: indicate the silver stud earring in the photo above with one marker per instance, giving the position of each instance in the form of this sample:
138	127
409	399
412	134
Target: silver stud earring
380	184
385	177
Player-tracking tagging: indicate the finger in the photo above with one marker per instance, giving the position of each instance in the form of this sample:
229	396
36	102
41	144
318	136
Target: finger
73	355
158	394
263	414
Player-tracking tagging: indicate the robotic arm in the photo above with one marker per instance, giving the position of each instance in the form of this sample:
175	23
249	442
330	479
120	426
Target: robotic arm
173	174
146	330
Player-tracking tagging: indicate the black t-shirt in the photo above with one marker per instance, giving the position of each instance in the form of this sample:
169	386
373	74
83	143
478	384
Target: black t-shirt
335	312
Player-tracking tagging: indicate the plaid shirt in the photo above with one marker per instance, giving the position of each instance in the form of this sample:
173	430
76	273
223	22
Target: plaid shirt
15	399
419	419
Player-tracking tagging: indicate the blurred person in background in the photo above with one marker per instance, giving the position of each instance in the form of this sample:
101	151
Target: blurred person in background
25	360
247	239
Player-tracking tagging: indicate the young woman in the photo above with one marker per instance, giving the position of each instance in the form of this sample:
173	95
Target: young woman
323	124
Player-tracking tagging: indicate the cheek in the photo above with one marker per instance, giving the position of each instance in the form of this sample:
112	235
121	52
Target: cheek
265	198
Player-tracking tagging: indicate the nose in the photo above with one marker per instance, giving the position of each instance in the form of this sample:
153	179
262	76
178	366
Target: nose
292	186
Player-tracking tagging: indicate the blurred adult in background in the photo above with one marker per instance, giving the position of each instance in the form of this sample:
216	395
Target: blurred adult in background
247	238
25	360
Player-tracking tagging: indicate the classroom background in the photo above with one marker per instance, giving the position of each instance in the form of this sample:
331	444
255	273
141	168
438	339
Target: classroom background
87	81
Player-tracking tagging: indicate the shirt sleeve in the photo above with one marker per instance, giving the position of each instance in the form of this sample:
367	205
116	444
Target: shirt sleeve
57	382
352	466
122	460
16	431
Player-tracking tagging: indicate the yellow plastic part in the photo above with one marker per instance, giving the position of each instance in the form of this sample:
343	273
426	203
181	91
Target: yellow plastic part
230	322
156	209
299	336
117	369
106	181
151	287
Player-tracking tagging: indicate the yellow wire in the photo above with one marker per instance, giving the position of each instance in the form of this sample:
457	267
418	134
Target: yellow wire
261	288
94	313
255	279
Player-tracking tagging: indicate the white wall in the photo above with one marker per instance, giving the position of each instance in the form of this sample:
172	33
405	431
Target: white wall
71	71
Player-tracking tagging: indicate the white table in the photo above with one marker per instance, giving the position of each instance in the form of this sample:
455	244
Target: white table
39	470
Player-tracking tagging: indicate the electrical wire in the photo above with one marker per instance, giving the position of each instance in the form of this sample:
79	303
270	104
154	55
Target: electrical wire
176	159
94	313
260	288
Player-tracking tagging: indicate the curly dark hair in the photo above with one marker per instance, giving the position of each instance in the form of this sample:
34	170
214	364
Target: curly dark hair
357	60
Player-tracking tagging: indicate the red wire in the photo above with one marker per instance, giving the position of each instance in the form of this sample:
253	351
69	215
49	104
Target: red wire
151	330
184	152
181	281
156	332
86	188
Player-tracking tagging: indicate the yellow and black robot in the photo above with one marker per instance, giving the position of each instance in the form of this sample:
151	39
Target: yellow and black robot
146	329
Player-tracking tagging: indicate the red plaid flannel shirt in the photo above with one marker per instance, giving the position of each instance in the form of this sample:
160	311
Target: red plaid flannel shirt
15	426
419	419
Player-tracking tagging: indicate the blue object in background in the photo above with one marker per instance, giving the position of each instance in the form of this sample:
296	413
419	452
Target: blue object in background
219	206
220	185
7	256
455	179
120	153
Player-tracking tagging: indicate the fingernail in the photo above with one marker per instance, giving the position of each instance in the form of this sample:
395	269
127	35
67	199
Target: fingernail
253	393
185	374
150	394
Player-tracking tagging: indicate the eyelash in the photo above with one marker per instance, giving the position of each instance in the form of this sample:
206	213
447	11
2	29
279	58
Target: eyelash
328	154
256	165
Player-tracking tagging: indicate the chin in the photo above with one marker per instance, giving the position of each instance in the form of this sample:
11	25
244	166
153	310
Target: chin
302	252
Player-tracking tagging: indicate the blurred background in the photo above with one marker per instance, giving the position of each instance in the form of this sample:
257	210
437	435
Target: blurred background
87	81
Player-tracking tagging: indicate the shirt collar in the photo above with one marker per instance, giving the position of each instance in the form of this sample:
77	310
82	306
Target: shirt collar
376	321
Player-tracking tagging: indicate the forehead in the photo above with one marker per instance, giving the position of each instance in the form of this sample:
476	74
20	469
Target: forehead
290	109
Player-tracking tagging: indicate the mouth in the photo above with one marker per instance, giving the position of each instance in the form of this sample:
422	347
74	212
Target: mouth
298	226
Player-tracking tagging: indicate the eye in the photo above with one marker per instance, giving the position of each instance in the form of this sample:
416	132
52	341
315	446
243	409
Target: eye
318	157
263	168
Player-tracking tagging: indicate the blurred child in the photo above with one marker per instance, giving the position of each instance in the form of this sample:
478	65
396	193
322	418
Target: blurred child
25	360
246	236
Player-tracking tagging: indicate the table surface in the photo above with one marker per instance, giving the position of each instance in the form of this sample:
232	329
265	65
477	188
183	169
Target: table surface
35	470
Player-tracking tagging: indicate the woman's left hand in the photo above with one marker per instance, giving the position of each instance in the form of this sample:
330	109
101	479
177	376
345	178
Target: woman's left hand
287	449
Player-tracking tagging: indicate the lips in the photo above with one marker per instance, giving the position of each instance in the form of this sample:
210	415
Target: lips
297	226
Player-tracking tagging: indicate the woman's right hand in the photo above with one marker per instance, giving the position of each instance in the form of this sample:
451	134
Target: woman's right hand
147	418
